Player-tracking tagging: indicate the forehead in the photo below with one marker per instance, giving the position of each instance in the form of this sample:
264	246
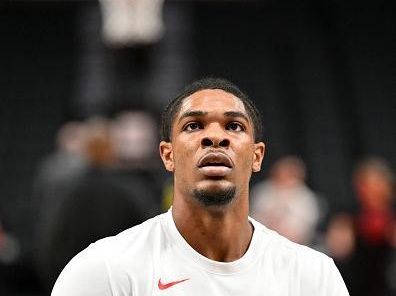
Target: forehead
212	100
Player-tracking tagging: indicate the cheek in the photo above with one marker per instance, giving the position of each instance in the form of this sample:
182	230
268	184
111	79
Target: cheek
245	157
184	156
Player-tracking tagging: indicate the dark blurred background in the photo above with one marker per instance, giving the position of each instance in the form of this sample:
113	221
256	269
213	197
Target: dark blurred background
321	72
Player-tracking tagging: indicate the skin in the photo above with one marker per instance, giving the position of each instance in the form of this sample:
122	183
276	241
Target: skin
212	121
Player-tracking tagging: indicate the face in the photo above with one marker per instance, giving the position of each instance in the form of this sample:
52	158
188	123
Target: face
374	190
212	147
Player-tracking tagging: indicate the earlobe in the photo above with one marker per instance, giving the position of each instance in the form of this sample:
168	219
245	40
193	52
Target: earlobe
166	152
259	150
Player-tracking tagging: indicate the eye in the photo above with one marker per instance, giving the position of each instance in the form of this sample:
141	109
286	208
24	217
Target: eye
192	126
235	126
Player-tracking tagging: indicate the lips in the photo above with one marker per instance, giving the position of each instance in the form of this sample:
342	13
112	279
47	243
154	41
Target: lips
215	164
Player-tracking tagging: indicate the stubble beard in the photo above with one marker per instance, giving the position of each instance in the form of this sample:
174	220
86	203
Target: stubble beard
215	197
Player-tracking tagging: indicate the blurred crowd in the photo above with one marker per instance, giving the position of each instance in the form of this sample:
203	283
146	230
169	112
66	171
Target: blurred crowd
362	241
102	178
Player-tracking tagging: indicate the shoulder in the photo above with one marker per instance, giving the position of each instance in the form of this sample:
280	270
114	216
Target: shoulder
279	245
95	269
307	270
318	274
280	250
131	240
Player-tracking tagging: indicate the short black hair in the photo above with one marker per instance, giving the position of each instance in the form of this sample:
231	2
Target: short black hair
173	106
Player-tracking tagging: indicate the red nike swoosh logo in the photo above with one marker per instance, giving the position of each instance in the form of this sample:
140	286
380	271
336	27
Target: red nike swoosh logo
162	286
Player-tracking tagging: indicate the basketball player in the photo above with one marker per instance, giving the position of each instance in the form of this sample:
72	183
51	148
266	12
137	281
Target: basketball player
205	244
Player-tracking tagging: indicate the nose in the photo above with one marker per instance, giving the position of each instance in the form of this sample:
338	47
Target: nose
215	137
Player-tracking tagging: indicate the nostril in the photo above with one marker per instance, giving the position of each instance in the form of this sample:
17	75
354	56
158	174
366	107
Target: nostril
206	142
224	143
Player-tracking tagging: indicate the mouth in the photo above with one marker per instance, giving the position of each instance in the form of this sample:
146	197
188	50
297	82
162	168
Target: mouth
215	165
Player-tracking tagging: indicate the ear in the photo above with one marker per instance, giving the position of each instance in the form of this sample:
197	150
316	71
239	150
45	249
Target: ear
166	152
259	150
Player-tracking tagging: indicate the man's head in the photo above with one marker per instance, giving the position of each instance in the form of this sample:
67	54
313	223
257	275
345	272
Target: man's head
373	182
173	106
210	142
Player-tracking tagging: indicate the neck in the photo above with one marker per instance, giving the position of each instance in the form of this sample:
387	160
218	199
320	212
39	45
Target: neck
218	234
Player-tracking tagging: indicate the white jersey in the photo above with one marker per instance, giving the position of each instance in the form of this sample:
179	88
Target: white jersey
154	259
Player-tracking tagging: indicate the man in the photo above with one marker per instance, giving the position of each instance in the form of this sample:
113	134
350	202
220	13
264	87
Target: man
206	244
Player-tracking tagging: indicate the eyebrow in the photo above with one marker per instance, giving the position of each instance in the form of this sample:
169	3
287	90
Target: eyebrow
236	114
202	113
192	114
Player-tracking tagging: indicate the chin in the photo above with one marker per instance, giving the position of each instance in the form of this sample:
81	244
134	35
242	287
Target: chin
215	195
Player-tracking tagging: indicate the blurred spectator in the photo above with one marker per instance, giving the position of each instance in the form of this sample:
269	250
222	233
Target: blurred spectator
340	237
59	171
363	244
56	177
68	160
134	140
373	183
340	243
98	147
284	203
